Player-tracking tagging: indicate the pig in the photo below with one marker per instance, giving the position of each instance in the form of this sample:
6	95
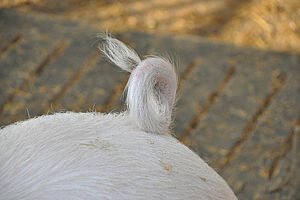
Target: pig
129	155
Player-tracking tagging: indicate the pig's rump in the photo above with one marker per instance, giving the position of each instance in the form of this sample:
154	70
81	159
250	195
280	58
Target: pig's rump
93	156
96	156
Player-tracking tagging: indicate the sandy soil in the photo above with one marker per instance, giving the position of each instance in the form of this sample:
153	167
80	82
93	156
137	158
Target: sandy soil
266	24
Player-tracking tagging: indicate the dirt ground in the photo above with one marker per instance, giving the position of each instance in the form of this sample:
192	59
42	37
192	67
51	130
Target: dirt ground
266	24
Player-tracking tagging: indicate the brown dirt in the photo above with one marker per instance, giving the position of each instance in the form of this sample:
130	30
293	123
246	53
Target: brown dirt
266	24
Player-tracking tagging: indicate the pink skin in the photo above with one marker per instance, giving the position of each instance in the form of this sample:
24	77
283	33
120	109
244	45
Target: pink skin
142	68
166	88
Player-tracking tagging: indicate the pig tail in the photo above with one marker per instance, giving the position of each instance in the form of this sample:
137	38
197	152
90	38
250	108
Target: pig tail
151	88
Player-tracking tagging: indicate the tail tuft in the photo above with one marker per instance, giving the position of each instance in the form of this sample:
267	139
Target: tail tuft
118	53
151	88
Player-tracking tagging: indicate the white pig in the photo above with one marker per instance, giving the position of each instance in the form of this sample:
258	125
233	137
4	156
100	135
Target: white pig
91	156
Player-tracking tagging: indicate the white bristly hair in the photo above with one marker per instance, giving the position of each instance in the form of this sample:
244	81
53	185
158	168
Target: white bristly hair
118	53
115	156
151	86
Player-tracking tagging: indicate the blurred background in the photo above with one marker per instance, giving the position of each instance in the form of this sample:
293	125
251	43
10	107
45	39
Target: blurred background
266	24
238	64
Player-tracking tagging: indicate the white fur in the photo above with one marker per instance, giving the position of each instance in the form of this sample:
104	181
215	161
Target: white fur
151	87
95	156
117	52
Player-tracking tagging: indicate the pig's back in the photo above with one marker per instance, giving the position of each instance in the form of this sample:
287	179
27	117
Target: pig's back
94	156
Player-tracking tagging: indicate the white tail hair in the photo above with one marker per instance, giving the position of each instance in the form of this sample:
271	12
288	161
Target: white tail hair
151	88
